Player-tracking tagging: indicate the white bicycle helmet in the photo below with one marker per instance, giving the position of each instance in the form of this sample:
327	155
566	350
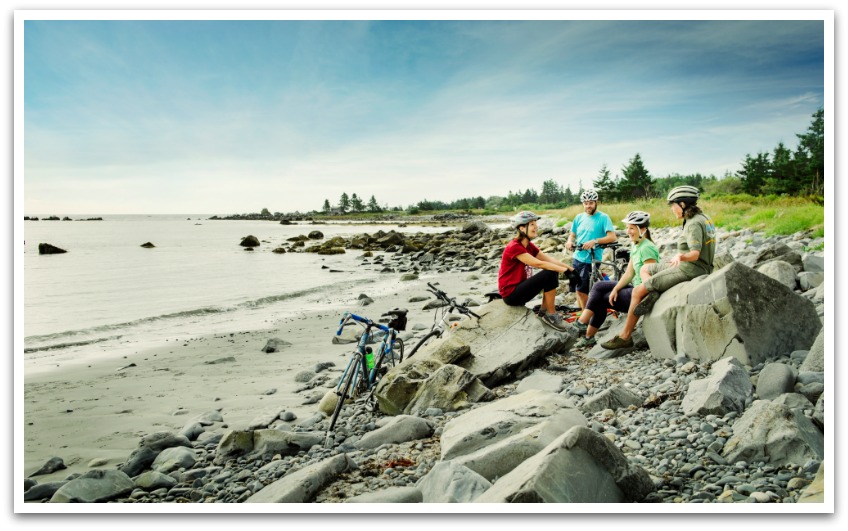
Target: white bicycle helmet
589	195
638	217
683	193
523	218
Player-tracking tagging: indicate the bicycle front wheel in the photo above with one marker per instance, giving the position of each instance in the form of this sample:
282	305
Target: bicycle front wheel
424	340
346	393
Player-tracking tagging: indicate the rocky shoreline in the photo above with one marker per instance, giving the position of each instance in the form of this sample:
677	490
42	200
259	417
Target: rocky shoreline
637	406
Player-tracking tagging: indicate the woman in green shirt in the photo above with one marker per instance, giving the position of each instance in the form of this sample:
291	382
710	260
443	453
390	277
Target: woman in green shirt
695	252
616	295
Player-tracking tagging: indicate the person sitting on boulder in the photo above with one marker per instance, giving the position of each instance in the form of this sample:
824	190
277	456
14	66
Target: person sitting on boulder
516	282
696	250
616	295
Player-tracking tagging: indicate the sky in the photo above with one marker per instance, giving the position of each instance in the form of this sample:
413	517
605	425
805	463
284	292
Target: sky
233	116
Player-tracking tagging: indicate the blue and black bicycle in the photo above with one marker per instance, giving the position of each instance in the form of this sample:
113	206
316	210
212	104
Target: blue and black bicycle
365	368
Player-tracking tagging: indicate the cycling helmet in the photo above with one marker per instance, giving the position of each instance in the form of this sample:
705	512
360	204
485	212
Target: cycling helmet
638	217
683	193
589	195
523	218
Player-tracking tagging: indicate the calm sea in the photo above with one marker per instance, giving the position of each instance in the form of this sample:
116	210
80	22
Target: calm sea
197	279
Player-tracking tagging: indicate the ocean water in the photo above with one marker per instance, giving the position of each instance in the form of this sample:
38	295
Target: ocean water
107	290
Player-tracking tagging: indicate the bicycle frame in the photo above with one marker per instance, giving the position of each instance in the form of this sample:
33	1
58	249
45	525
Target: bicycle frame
386	348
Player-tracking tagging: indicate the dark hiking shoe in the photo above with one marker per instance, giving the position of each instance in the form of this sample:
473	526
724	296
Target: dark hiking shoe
586	342
579	327
646	305
554	320
617	342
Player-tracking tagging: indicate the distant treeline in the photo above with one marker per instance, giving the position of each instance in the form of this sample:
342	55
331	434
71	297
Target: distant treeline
780	173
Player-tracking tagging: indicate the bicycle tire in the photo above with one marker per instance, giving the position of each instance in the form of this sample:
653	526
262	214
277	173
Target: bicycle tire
351	374
424	340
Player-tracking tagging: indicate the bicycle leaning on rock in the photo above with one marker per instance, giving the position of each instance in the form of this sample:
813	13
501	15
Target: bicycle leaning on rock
441	318
365	368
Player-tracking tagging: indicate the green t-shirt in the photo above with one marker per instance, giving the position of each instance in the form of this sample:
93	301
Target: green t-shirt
639	253
699	233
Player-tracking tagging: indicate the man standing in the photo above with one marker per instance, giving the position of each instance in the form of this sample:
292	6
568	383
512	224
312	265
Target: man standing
589	229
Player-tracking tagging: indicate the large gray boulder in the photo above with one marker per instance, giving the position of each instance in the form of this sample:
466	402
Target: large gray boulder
450	482
303	485
616	397
265	443
580	466
727	389
772	432
502	456
736	311
149	448
781	271
412	388
171	459
774	380
502	345
389	495
498	420
95	486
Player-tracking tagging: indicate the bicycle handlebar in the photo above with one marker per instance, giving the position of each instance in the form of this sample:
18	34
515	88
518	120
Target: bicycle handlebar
368	323
461	308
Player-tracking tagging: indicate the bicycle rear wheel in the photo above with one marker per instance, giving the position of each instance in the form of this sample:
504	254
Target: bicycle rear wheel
424	340
397	353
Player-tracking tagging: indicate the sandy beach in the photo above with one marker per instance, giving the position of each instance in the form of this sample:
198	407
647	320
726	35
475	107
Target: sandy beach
93	413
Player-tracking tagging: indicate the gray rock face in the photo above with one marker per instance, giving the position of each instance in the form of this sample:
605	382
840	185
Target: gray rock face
735	311
490	423
390	495
415	386
94	486
399	429
148	448
450	482
52	465
302	485
171	459
772	432
814	362
263	444
580	466
152	480
613	398
541	381
275	344
502	456
506	342
781	271
774	380
726	389
43	491
249	241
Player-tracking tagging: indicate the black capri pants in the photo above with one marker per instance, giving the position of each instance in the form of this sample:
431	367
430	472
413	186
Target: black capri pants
598	301
544	280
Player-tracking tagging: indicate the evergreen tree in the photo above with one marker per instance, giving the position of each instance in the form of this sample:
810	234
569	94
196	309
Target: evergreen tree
754	173
372	205
356	204
326	207
344	202
551	193
635	182
812	143
605	185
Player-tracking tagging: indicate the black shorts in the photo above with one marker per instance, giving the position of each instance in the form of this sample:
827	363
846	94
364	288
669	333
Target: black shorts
585	271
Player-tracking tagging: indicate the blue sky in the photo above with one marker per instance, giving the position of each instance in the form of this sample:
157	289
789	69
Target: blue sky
223	116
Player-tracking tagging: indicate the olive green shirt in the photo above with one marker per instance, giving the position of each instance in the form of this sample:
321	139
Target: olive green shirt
699	234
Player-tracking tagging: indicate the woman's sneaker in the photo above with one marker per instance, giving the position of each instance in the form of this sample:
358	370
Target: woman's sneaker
586	342
646	304
579	327
554	320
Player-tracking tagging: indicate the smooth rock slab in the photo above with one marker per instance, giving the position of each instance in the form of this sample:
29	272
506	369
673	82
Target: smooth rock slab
303	485
727	389
390	495
774	380
95	486
450	482
399	429
581	466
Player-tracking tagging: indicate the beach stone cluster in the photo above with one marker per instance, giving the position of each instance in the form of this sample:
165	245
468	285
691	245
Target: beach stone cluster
469	420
